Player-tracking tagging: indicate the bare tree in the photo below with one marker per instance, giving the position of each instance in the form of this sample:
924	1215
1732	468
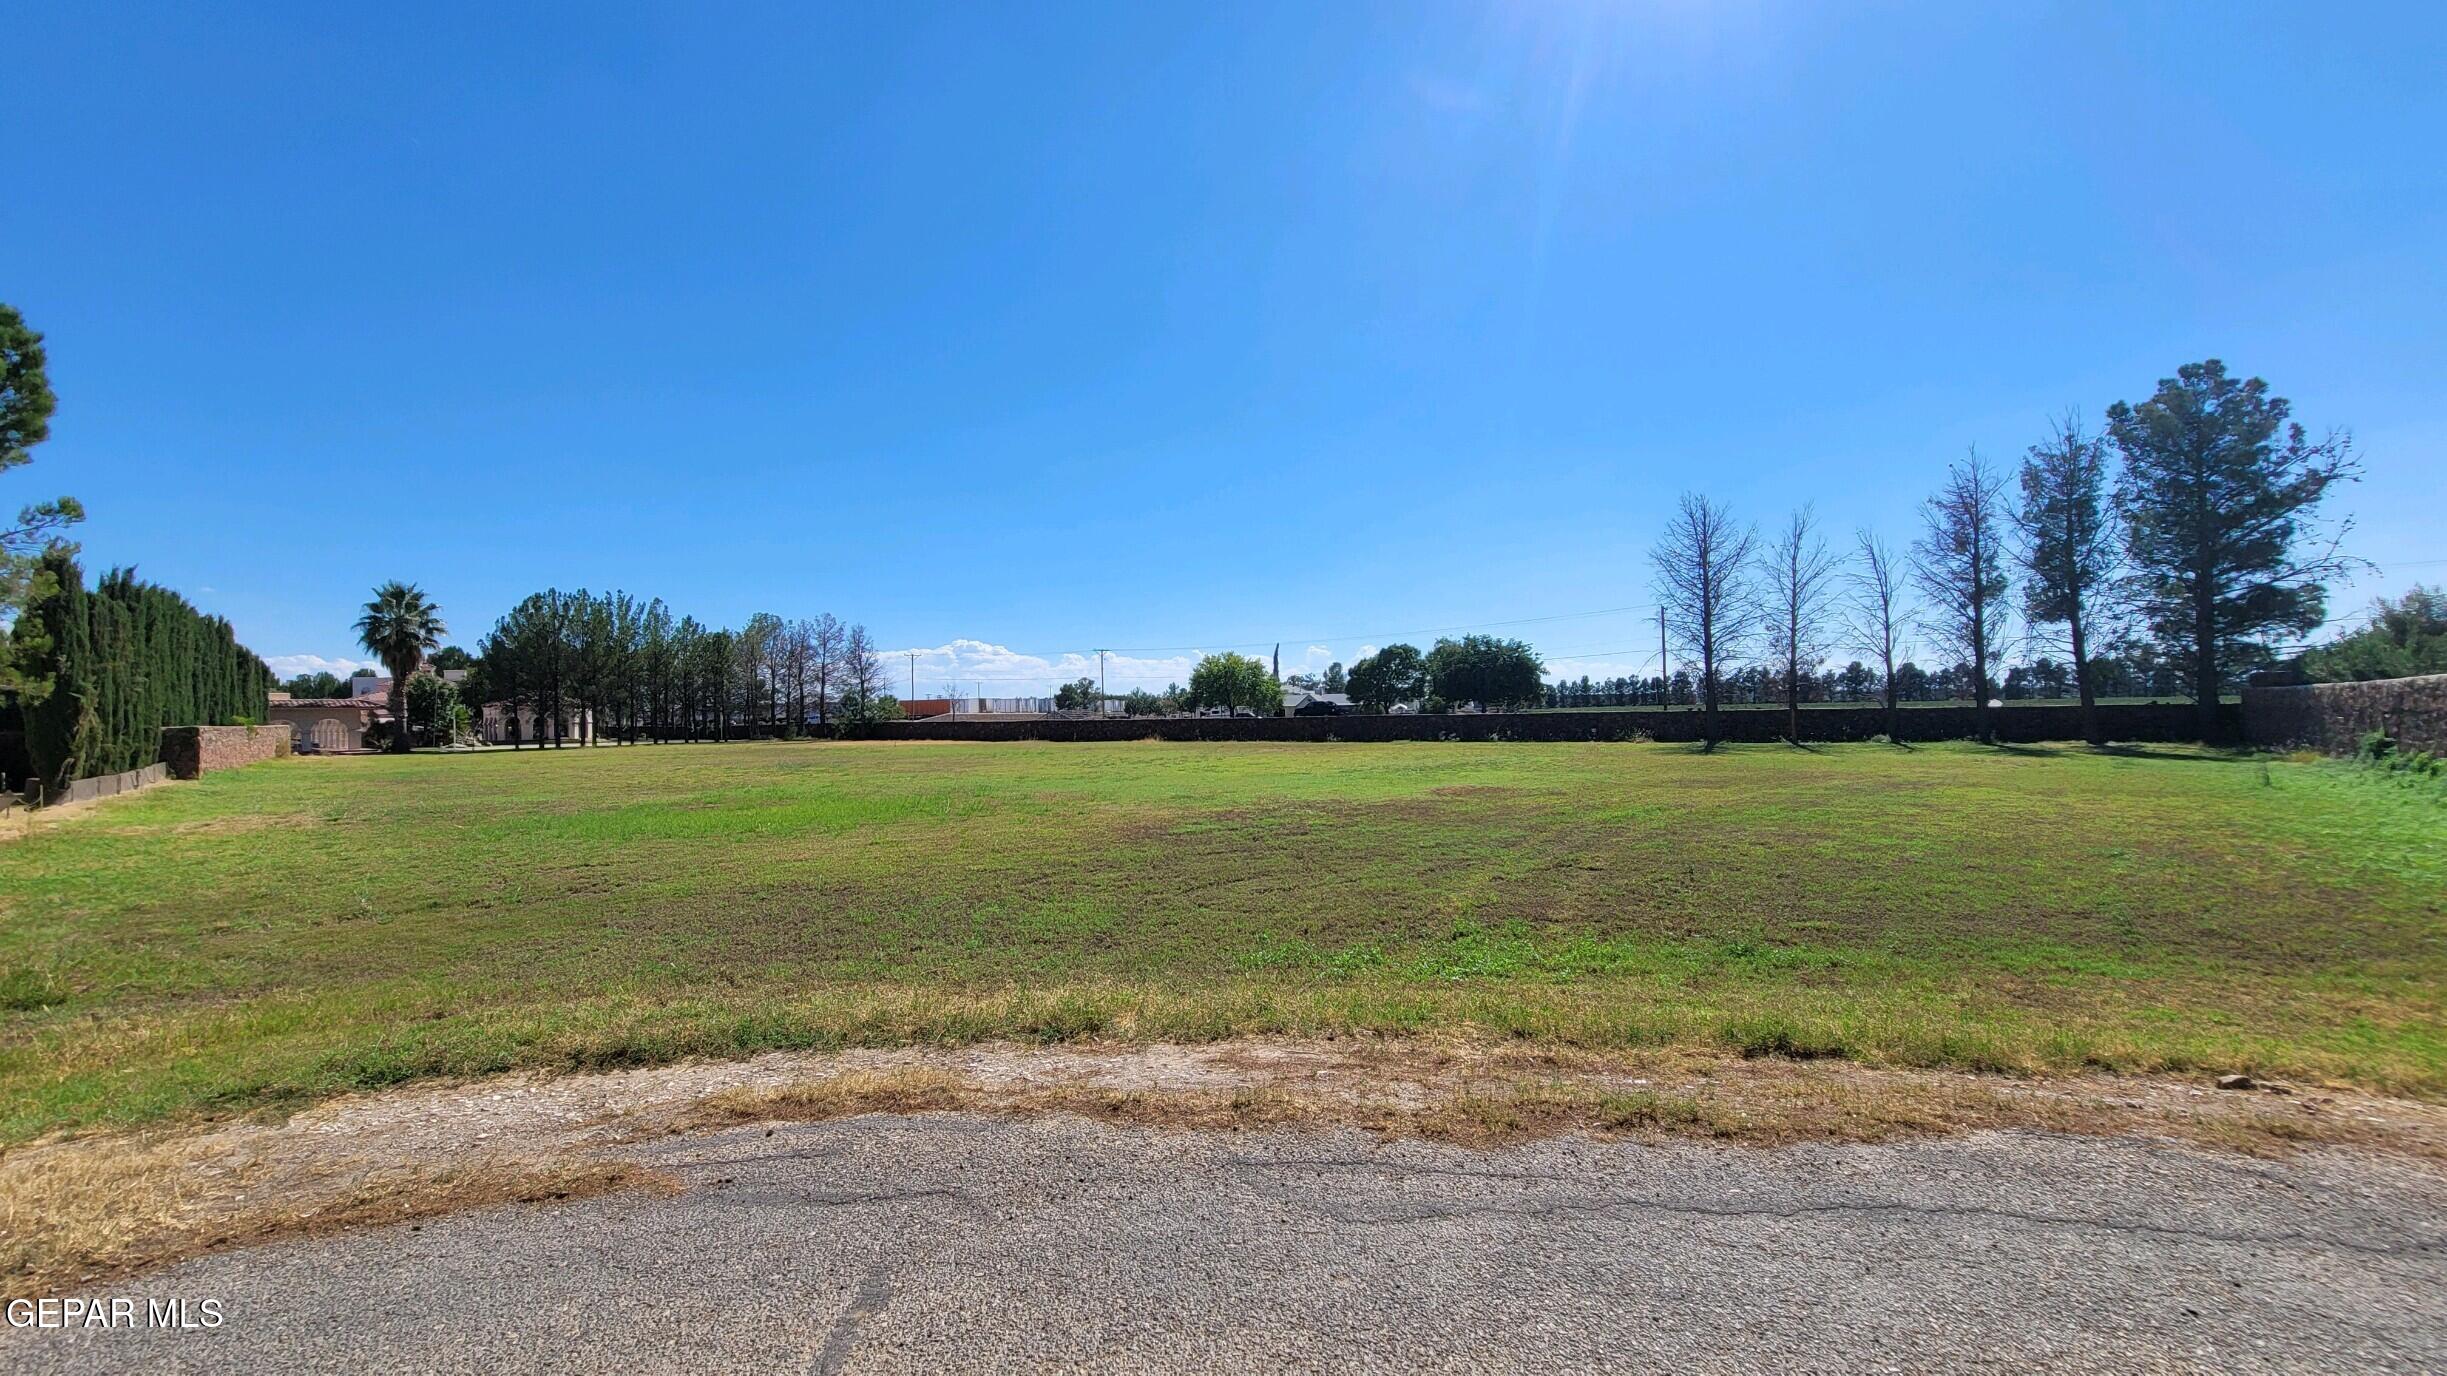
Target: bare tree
2068	546
756	645
862	674
798	645
824	646
1703	565
1878	613
1959	563
1800	576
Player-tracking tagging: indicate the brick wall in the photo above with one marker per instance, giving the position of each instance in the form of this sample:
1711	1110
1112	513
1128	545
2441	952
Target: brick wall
2332	717
2015	722
194	751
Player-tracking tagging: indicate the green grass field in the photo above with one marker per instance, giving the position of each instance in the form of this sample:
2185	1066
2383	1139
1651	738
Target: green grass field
311	926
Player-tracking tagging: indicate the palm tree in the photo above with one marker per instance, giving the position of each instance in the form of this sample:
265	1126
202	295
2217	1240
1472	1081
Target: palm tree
398	627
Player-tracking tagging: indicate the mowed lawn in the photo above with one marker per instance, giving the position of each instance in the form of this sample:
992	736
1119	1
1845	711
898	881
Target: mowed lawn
316	925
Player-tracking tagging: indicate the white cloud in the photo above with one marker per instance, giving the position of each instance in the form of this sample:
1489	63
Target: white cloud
290	666
978	668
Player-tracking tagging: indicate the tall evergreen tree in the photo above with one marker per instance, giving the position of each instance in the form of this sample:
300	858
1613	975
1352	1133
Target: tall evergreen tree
26	404
2219	499
108	668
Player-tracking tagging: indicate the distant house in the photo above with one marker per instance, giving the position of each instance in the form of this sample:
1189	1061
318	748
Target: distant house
503	724
1304	702
330	726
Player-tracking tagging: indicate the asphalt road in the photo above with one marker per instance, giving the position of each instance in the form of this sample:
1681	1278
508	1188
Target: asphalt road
957	1243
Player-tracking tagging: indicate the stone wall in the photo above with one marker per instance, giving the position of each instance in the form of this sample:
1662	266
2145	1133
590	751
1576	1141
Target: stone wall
2155	721
194	751
2333	717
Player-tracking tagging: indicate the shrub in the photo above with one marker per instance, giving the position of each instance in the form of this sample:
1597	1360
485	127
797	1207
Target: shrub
2380	754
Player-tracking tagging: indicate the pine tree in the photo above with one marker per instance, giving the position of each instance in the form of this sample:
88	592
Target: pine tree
2218	499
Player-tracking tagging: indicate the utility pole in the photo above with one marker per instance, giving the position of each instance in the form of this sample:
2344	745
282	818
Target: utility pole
913	676
1665	666
1101	707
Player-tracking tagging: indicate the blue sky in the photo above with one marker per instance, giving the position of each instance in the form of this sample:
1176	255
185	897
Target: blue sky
1020	331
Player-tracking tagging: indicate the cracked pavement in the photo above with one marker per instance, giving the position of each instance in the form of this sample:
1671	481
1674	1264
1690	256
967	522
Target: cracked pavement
953	1242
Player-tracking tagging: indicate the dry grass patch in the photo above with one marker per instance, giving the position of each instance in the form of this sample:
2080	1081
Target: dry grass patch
77	1212
1489	1097
910	1089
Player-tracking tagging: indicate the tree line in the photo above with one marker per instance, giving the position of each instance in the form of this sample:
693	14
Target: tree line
641	673
2185	536
98	673
2140	674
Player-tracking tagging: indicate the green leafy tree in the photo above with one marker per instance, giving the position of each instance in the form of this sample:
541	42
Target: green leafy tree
26	403
322	683
1496	674
399	627
1397	673
2403	638
1336	680
1233	681
432	706
1078	696
451	657
2219	501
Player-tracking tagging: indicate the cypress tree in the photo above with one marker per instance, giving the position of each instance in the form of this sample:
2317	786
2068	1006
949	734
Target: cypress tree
106	670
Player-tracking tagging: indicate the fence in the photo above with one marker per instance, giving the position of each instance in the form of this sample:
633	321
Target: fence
103	786
2014	722
967	706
